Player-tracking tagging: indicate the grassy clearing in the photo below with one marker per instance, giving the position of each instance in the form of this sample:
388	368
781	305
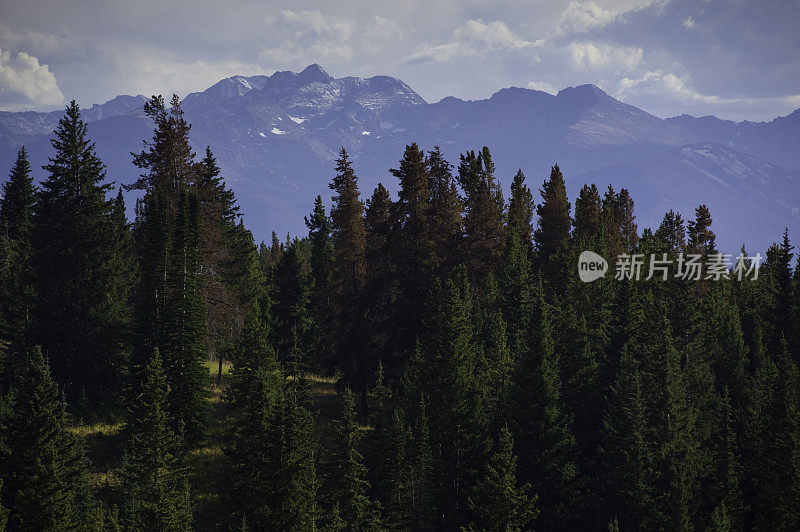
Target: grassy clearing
103	437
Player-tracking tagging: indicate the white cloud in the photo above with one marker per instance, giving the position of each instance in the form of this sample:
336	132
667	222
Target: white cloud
315	22
494	35
670	94
475	38
142	71
542	86
590	56
580	17
303	37
689	22
664	84
26	83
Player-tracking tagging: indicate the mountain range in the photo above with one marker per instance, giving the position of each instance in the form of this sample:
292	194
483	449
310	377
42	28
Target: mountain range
276	138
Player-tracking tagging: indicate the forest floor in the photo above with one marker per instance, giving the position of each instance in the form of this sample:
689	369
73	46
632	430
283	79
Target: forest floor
104	441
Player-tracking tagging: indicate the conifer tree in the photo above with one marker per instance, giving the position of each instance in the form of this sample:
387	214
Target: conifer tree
415	258
626	219
319	233
500	503
168	170
75	272
44	472
701	237
520	212
217	242
545	428
588	214
167	160
348	270
447	213
726	486
292	292
152	236
672	233
552	233
610	223
184	346
514	281
351	485
779	484
451	376
626	453
273	476
380	288
483	217
154	481
16	259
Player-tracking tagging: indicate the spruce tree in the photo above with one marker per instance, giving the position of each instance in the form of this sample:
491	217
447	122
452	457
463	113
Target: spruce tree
520	212
552	232
413	247
351	485
588	214
483	216
515	287
184	346
16	260
44	472
456	415
154	480
545	428
500	503
381	285
319	233
217	242
701	238
348	271
74	249
626	452
292	313
626	219
446	213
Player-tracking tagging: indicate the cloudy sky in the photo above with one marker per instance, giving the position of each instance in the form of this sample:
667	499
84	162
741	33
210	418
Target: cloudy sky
738	59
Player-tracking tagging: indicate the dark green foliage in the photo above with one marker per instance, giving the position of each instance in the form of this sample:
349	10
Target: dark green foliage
217	260
319	235
515	288
520	212
500	503
16	261
272	449
154	482
552	233
185	317
79	319
652	404
483	217
42	465
348	271
588	214
381	282
446	213
626	454
292	292
351	486
413	243
451	375
544	428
